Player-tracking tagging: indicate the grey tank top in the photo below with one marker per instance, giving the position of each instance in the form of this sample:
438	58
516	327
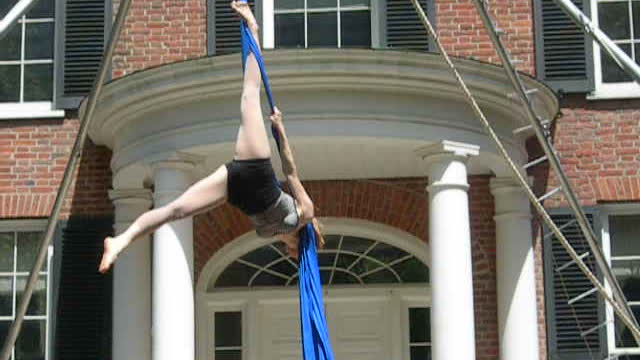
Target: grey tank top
280	218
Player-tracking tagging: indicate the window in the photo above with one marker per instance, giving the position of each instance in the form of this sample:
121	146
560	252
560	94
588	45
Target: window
26	63
228	335
18	252
624	255
345	260
620	20
322	23
419	333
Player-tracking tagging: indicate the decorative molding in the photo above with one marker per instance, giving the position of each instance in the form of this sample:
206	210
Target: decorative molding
130	195
177	160
448	148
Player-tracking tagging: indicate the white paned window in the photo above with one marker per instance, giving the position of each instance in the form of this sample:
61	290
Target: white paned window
620	20
228	335
18	252
26	63
620	239
344	260
419	333
318	23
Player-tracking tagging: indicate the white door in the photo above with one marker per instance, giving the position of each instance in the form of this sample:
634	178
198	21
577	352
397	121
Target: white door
280	331
360	328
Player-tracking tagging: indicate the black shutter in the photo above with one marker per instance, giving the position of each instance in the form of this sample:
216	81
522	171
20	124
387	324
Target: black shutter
567	323
564	54
224	27
81	34
83	314
403	29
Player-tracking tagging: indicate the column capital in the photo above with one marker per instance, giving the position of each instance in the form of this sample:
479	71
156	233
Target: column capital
446	164
129	204
131	196
178	160
447	148
510	198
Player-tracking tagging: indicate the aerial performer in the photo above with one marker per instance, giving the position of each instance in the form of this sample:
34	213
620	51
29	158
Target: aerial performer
248	182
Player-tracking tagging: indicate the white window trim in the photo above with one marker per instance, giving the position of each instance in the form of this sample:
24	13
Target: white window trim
29	110
604	91
268	24
35	225
340	226
606	212
407	303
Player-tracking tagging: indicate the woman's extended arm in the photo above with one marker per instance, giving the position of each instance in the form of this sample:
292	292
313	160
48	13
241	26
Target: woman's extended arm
290	170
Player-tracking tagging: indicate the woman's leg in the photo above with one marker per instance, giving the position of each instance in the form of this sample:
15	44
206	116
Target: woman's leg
252	141
201	196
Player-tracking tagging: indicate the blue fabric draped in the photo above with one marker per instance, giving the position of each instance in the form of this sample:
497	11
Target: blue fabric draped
316	344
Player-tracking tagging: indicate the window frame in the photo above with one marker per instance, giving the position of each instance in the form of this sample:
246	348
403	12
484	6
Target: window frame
212	309
603	91
268	24
407	304
606	213
36	109
336	253
16	226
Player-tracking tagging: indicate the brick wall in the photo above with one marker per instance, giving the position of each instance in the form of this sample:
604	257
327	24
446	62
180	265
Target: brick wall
33	156
463	34
599	146
401	203
160	32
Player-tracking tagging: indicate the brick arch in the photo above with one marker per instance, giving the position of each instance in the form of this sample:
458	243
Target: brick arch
401	204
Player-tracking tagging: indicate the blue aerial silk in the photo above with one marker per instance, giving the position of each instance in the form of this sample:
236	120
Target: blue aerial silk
316	344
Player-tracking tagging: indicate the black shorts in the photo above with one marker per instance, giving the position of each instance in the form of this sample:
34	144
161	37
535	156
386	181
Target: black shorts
252	185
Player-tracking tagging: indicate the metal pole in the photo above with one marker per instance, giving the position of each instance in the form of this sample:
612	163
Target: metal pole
623	60
555	163
521	177
14	14
74	160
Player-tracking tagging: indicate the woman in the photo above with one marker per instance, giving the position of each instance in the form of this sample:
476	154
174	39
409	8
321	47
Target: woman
248	182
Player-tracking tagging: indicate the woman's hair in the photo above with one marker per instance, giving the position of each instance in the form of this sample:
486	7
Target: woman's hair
317	226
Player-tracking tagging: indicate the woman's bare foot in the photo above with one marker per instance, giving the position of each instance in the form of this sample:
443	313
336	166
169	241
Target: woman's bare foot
242	8
109	255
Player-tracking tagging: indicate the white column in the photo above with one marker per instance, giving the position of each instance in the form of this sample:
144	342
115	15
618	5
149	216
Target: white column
516	279
131	281
452	316
173	294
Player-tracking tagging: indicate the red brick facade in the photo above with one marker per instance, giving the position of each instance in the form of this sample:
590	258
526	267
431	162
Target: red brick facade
463	34
599	146
159	32
34	156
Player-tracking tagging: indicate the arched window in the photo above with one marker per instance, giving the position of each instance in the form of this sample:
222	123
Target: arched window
344	260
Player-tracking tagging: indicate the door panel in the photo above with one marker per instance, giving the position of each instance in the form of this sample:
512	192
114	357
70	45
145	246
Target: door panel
280	332
360	329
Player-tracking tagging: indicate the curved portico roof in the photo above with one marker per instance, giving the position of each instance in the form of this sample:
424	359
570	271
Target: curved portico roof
350	113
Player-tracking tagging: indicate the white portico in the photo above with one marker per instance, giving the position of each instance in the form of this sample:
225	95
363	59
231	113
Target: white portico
352	114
